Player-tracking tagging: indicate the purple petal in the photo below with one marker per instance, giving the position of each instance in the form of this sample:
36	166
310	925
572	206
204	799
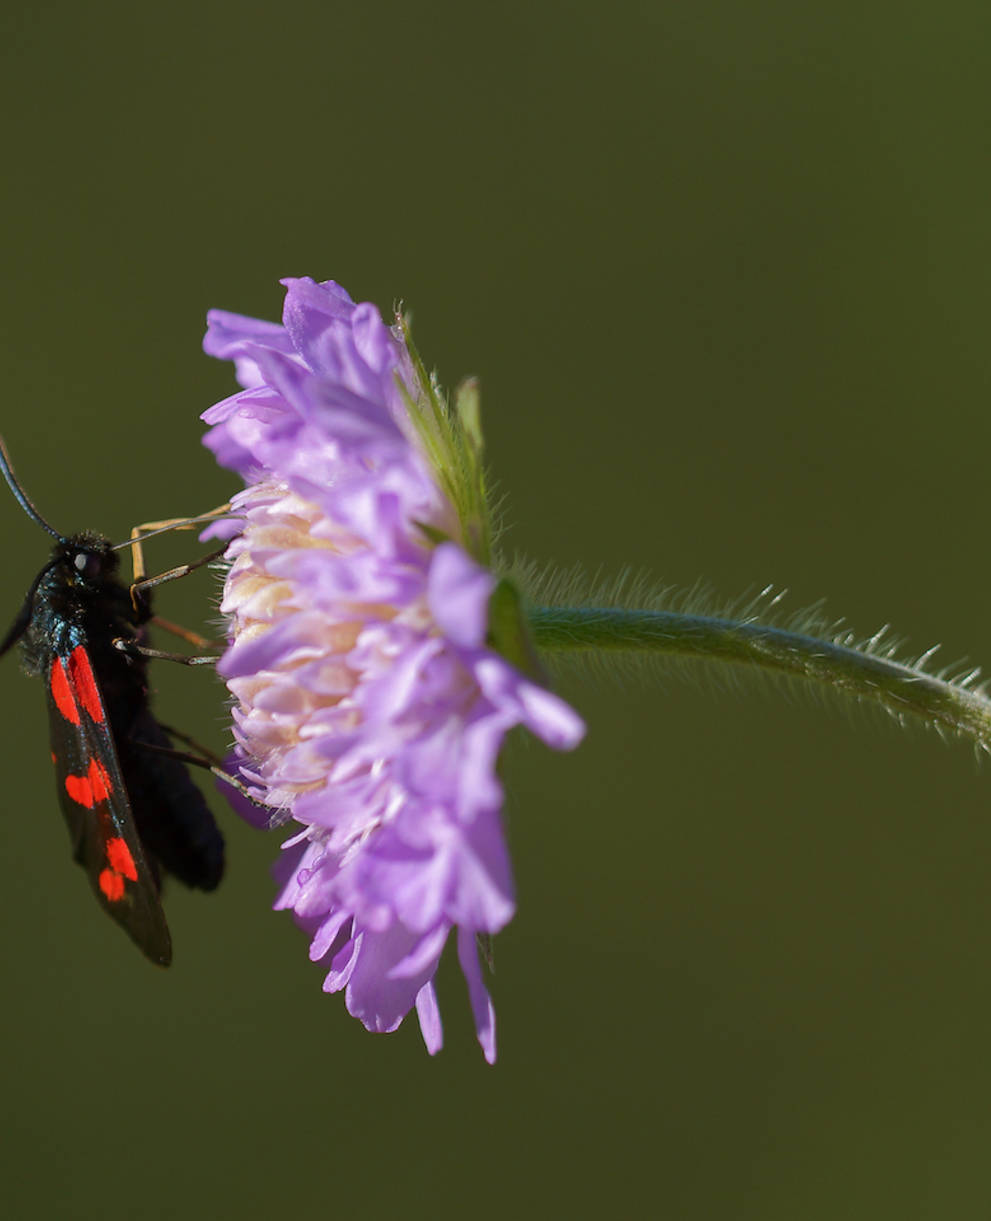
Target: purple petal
428	1012
459	592
542	712
229	335
481	1002
423	955
374	997
292	640
328	937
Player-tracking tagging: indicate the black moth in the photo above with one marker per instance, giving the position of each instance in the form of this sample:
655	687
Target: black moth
133	812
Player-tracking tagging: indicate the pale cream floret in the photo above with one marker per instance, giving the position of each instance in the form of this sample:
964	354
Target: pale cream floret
281	713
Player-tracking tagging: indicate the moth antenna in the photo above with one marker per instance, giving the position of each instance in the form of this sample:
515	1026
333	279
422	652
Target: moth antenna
21	496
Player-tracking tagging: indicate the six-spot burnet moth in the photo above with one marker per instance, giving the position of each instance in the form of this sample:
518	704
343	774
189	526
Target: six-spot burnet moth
133	811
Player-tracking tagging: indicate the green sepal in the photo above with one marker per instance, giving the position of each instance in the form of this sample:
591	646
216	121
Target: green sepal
486	947
468	406
508	632
450	436
433	536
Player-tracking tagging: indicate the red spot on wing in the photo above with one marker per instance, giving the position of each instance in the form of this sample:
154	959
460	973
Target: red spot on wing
80	790
85	683
121	861
100	780
62	693
112	885
91	789
119	871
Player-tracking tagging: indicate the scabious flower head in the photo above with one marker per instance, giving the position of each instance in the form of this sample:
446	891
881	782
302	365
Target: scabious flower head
370	703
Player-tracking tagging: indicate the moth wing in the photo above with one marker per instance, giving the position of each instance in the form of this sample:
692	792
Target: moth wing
94	800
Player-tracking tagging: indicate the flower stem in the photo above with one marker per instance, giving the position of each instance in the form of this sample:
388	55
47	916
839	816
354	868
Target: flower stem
903	689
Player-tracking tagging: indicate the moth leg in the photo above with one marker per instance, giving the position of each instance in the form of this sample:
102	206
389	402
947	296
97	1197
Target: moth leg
148	528
206	759
173	574
184	633
206	755
133	649
141	581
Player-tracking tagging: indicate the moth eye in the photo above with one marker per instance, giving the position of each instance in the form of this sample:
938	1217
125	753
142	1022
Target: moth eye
87	564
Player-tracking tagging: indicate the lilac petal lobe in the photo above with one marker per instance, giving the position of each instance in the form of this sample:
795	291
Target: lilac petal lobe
458	592
428	1013
481	1002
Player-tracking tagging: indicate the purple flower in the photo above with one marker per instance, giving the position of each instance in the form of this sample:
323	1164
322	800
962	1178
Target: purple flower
370	704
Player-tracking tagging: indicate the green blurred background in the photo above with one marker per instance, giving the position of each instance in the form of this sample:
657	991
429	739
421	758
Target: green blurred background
723	272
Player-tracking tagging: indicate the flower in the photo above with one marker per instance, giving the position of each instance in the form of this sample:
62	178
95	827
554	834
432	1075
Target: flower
370	703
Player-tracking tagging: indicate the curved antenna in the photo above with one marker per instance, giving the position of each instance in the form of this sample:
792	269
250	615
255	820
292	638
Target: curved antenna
21	496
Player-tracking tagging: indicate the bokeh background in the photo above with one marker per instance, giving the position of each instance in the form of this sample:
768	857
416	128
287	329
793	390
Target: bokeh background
723	272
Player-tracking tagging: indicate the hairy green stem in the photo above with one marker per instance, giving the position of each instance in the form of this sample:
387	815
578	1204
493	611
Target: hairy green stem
900	688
